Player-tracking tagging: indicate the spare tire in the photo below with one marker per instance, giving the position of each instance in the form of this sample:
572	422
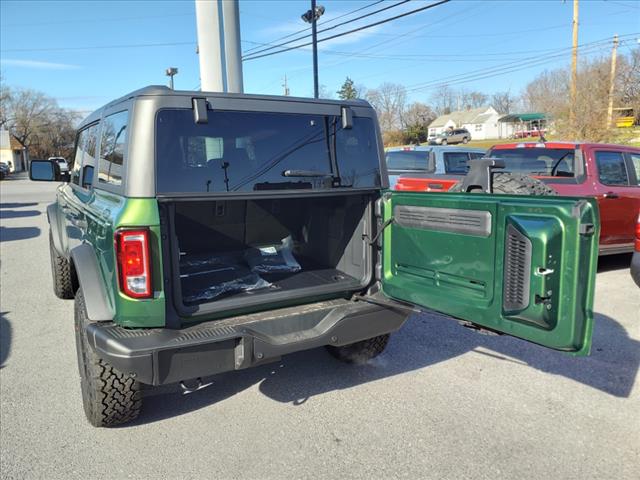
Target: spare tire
514	184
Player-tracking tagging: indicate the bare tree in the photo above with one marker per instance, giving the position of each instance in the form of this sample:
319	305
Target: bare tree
38	122
443	100
471	99
503	102
417	118
389	100
549	93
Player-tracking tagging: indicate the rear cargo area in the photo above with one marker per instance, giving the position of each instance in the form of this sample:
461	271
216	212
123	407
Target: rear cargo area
243	251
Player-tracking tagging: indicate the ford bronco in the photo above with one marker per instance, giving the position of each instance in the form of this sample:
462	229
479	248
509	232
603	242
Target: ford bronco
201	233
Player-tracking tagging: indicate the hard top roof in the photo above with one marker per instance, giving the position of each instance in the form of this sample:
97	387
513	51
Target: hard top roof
164	91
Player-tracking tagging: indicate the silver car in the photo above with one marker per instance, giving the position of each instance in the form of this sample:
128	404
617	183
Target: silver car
449	137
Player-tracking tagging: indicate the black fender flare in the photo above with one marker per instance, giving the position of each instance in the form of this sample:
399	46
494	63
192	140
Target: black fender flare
54	226
92	283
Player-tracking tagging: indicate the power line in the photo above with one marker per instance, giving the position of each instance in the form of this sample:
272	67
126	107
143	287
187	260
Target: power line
319	24
364	27
590	48
288	42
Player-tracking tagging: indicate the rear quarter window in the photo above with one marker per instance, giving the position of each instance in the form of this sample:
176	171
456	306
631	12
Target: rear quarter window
112	148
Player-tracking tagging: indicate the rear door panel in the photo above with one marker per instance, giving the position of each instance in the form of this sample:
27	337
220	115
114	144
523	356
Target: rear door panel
514	264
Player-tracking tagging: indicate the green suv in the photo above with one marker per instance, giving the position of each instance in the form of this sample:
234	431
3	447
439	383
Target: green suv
201	233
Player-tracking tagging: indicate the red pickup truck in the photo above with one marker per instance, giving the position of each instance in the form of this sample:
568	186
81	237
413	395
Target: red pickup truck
611	173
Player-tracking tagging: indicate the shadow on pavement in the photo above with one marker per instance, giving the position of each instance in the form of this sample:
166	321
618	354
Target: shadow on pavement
422	342
8	234
614	262
19	213
5	339
17	205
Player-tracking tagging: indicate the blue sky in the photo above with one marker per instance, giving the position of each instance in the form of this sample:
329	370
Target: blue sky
85	53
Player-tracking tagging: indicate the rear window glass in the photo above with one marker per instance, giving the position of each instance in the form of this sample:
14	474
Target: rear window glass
249	151
552	162
456	162
407	160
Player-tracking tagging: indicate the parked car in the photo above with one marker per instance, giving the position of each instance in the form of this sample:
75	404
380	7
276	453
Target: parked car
232	236
449	163
610	173
635	258
449	137
4	170
62	163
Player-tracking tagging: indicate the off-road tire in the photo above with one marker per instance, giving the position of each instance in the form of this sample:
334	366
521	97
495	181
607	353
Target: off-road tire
360	352
514	184
61	272
108	396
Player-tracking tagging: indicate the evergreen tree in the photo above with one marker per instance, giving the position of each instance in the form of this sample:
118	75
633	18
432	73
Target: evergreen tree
348	90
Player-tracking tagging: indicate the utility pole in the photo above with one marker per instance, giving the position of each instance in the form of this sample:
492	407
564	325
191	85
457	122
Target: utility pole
574	67
285	86
312	16
612	80
219	54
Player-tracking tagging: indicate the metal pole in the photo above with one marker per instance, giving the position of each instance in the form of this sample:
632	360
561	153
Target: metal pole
210	46
171	82
314	36
612	80
232	49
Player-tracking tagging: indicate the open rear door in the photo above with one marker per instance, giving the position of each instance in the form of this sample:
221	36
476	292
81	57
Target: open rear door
524	266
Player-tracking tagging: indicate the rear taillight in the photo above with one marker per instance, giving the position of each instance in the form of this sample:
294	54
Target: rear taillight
134	272
637	246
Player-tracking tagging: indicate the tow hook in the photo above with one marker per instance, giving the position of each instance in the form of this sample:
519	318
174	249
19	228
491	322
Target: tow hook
186	390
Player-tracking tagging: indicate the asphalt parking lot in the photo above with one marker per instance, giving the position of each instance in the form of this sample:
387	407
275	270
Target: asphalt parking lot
441	402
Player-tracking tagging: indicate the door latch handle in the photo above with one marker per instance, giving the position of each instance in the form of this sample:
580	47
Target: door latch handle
611	195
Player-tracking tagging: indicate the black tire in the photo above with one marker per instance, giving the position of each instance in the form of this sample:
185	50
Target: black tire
515	184
360	352
63	276
108	396
465	140
444	142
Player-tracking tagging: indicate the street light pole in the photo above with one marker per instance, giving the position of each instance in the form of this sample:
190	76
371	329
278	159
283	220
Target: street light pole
170	72
312	17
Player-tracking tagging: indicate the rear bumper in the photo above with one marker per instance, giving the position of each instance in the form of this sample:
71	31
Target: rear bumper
635	267
162	356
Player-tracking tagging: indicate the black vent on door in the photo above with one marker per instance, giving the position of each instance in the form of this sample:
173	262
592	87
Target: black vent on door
517	270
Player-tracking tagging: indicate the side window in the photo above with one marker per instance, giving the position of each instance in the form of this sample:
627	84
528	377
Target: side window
456	162
475	155
635	162
612	169
112	147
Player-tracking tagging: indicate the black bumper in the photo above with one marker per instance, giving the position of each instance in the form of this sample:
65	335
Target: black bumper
161	356
635	268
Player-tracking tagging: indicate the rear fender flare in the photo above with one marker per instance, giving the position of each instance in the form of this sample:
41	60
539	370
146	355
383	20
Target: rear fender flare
91	281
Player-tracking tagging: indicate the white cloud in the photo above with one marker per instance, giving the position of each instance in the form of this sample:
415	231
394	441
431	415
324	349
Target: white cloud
38	64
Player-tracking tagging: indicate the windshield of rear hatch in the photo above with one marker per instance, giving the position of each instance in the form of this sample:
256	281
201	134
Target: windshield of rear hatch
249	151
551	162
407	160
